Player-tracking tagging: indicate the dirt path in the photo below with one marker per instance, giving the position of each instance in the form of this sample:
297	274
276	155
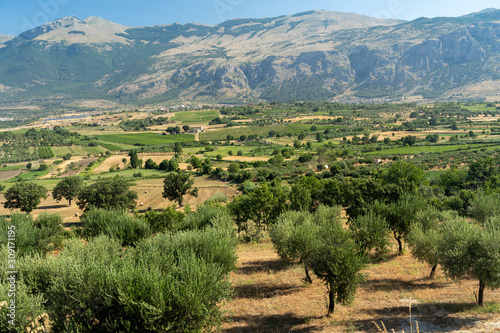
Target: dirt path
271	297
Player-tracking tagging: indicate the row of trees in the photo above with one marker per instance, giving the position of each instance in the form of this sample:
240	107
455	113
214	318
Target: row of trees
109	193
336	255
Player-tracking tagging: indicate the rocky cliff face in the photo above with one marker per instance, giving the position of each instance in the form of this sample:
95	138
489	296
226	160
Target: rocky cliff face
314	55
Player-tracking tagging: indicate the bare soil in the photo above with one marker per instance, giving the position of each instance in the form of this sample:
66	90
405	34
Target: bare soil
5	175
63	170
112	161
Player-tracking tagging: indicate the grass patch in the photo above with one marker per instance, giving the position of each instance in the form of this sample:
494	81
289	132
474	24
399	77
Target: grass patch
129	173
29	176
262	131
110	146
11	167
414	150
195	117
146	139
94	150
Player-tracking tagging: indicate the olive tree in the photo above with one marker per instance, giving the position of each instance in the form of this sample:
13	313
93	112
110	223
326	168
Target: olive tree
424	236
401	214
293	236
320	243
484	206
471	249
370	231
336	260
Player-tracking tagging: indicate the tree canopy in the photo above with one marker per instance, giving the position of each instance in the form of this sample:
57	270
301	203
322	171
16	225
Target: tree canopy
68	188
110	193
176	185
25	196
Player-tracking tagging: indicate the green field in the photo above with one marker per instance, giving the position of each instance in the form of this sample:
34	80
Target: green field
110	146
76	150
195	117
423	149
479	108
29	176
129	174
11	167
258	130
146	139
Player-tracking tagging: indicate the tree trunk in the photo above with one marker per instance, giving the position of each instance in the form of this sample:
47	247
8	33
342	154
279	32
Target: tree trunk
331	305
400	245
433	270
308	277
69	202
480	296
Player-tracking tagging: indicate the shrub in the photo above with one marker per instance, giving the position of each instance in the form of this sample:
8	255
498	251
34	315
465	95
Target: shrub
116	224
370	231
29	308
168	220
39	236
116	290
217	197
207	216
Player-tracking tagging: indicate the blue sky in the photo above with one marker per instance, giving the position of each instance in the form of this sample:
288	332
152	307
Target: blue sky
19	15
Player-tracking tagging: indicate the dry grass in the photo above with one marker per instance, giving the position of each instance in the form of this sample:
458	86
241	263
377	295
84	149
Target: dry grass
112	161
271	297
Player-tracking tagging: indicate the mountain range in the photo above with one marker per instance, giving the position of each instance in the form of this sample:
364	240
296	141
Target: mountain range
316	55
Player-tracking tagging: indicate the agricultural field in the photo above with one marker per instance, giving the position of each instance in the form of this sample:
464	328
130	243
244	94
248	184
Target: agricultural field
403	166
145	139
263	131
195	117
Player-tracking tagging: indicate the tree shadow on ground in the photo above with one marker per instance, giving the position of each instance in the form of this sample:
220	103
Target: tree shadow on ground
395	284
52	207
72	224
271	323
142	211
259	291
264	266
431	317
378	259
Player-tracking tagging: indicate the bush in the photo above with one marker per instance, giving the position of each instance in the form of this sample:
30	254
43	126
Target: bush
39	236
208	216
370	231
304	158
217	197
116	224
116	290
28	307
168	220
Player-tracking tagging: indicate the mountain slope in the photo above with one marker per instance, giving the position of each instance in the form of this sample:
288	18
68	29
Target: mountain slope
312	55
4	38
